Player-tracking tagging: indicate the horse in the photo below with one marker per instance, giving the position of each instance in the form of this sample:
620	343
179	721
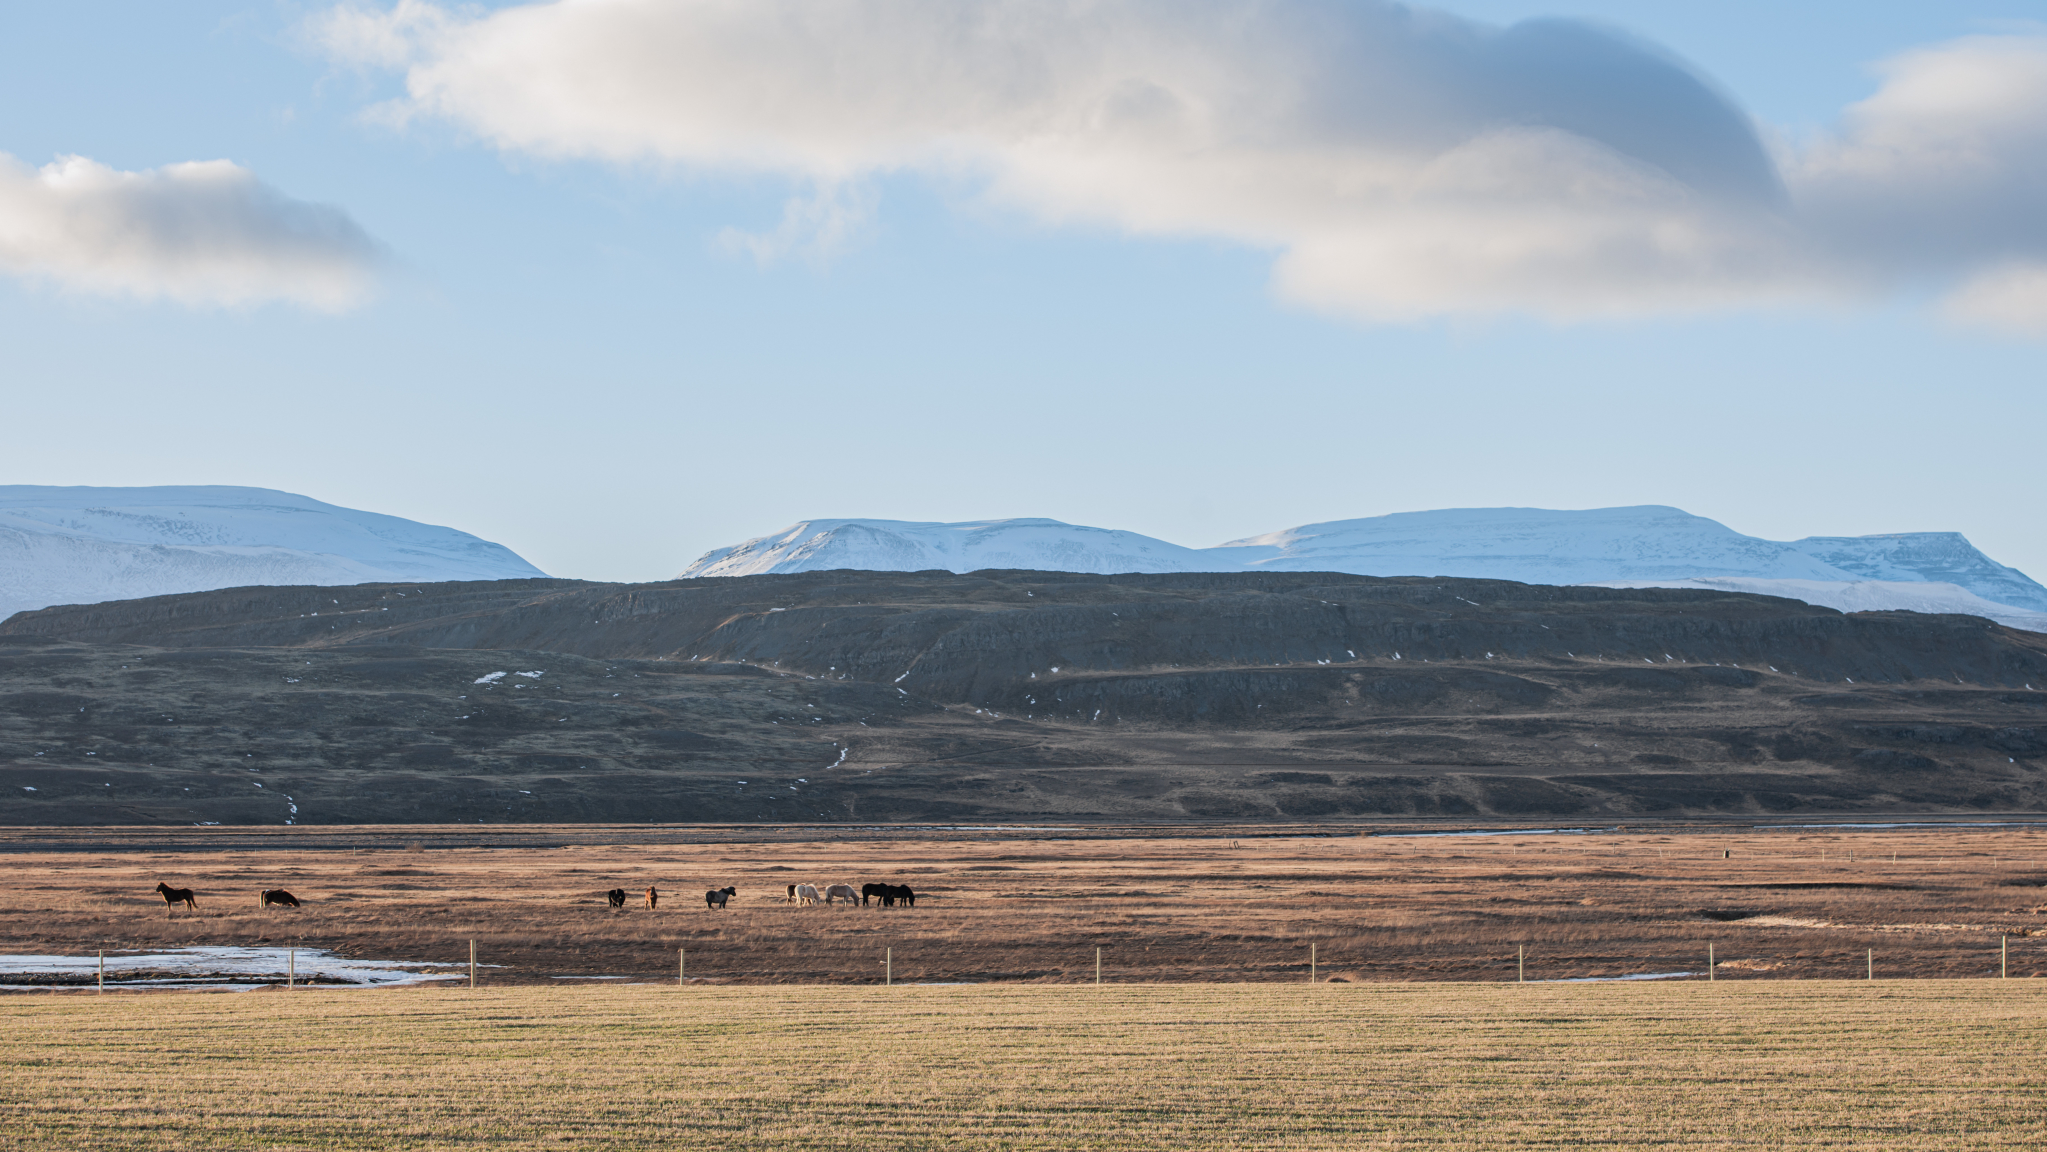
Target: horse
792	895
279	896
617	897
653	898
890	893
839	891
806	894
716	898
878	891
172	897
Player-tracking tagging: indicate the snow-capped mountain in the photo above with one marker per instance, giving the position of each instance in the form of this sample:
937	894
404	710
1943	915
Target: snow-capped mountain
914	546
1862	596
1937	556
1532	545
1644	546
87	545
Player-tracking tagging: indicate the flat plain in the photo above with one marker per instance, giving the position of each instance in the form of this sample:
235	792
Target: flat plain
1032	905
1839	1065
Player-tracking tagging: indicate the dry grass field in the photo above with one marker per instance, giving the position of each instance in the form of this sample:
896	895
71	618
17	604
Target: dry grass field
1032	906
1836	1065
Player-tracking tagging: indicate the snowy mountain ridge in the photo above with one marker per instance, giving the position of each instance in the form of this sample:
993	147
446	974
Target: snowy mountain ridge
1940	556
913	546
83	545
1646	545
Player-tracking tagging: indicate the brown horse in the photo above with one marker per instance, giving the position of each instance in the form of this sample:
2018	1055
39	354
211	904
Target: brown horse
172	897
653	898
279	896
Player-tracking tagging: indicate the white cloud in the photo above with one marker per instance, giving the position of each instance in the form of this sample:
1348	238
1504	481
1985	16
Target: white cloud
1398	162
2012	299
201	233
817	226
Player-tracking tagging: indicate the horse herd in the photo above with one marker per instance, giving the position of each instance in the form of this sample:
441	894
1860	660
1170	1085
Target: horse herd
886	895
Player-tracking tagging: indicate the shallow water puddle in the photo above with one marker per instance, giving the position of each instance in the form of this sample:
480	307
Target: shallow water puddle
1617	979
218	968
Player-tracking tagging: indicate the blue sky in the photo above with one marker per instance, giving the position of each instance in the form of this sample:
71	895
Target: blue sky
543	330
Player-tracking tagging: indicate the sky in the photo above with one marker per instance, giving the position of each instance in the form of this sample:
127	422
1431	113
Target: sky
617	282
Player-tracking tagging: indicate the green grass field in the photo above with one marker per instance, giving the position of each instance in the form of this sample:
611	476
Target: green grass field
1920	1064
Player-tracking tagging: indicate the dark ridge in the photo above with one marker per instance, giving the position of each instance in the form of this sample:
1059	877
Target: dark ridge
864	696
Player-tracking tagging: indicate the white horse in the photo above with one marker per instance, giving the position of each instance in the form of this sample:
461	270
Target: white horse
841	890
806	894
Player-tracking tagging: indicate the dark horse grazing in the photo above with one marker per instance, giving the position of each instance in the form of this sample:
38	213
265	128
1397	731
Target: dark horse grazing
279	896
716	897
172	897
617	897
888	894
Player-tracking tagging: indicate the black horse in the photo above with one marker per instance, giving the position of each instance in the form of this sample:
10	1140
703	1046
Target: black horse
617	897
716	897
279	896
888	894
172	897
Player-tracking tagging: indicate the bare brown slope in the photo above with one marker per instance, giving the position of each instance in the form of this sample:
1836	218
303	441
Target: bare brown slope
860	696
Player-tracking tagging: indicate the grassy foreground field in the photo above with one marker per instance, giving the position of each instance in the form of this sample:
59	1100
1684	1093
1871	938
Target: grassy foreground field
1808	1064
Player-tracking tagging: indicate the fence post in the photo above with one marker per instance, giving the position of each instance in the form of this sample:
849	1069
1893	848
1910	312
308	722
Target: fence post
1872	965
2003	957
1098	965
472	964
1521	964
1709	963
103	970
291	967
1311	963
681	966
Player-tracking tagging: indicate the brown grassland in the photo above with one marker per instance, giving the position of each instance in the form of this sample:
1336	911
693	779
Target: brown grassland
1032	906
1205	1034
1835	1064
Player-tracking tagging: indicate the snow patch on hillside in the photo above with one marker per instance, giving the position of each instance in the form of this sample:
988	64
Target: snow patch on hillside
88	545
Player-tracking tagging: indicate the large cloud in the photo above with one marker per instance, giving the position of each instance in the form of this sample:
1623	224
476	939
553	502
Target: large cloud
206	233
1398	162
